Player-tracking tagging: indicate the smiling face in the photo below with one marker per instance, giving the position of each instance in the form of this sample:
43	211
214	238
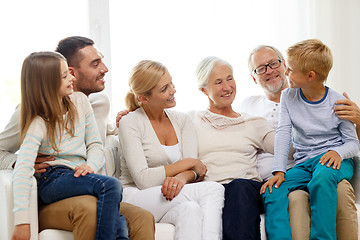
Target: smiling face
66	86
162	96
221	87
91	71
297	78
272	81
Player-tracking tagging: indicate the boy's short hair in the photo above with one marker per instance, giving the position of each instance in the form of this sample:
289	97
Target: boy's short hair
311	55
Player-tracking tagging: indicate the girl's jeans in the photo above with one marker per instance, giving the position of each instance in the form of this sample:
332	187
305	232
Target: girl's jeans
58	182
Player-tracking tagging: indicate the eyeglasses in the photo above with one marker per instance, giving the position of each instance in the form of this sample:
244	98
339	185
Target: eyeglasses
263	68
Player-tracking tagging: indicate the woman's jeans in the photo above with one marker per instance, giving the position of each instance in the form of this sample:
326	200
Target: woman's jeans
58	182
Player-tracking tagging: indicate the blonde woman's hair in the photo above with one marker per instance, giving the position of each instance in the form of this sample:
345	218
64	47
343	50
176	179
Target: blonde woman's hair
205	68
40	82
143	78
311	55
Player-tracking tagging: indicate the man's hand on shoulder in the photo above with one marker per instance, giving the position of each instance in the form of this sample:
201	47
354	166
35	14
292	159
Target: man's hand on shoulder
120	115
347	109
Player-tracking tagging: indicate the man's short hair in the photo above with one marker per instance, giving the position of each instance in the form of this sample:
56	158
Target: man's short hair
258	48
69	47
311	55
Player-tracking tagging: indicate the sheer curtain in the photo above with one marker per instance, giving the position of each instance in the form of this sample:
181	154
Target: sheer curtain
338	24
181	33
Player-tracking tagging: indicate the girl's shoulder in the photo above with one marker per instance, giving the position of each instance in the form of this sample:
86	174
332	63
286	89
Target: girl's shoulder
78	98
37	126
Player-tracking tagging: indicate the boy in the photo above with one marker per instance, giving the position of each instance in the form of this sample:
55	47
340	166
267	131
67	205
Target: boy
324	144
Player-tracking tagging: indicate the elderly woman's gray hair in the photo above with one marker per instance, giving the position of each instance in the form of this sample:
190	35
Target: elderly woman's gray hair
205	68
258	48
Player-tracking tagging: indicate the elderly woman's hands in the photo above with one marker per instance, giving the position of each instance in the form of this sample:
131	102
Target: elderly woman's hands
200	170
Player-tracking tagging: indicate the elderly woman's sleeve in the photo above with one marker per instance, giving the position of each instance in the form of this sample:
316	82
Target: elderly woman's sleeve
189	140
266	135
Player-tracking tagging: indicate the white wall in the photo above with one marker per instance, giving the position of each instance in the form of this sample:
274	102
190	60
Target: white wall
180	34
339	26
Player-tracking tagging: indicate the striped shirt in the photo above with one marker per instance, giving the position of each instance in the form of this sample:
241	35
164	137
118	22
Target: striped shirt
84	147
316	129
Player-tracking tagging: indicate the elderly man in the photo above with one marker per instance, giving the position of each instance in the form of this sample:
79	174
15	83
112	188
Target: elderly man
267	67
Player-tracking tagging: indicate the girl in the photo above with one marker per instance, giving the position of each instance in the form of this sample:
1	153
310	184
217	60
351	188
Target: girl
57	122
160	157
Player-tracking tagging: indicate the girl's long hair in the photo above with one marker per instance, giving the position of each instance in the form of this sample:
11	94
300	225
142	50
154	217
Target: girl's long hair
40	82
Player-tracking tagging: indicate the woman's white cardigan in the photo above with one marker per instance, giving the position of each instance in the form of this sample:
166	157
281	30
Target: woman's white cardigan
143	158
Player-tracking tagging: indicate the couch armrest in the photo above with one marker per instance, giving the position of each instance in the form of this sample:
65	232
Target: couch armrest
7	205
112	156
355	181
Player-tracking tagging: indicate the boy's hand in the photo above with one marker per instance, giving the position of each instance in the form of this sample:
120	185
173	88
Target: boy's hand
278	179
331	158
21	232
82	170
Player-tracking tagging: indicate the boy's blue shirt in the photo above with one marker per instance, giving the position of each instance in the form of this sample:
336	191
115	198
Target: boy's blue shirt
316	128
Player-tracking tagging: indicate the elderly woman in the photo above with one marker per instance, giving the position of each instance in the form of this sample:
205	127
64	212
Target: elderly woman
159	158
228	142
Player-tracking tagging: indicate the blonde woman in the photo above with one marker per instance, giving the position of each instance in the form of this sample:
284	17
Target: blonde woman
160	169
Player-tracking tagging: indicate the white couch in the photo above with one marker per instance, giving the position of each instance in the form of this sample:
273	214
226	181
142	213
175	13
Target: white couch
163	231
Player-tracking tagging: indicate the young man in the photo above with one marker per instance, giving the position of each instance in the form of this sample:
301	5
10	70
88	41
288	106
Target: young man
78	214
270	75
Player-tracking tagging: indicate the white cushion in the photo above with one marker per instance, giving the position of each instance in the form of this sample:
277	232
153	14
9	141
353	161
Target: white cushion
164	231
53	234
7	205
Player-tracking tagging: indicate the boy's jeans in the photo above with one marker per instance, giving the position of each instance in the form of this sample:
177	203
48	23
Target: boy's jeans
58	182
321	182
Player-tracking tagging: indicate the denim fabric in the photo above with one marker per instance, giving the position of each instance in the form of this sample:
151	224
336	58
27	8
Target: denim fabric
241	213
321	182
58	182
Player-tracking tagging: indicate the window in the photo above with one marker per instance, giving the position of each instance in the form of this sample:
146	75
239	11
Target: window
29	26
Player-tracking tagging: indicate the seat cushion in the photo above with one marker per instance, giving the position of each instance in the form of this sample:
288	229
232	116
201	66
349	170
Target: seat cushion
163	231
